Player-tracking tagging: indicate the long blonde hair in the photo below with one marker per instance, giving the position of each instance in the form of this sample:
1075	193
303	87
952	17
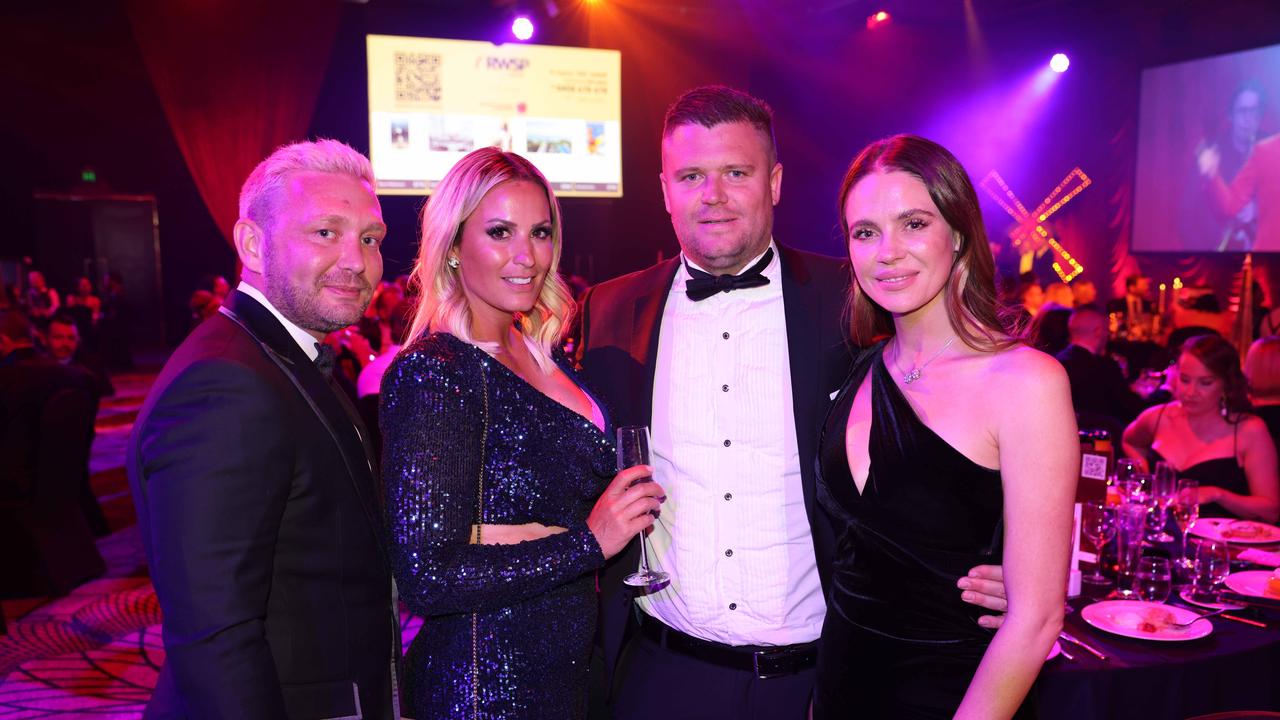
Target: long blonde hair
443	304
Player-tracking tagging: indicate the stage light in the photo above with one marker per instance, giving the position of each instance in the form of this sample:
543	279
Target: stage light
522	28
1059	63
877	19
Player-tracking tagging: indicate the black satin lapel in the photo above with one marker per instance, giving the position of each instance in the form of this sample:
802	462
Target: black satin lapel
644	339
268	330
802	305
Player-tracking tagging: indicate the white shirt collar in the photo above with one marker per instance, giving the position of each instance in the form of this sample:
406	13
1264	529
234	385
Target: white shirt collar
304	339
746	267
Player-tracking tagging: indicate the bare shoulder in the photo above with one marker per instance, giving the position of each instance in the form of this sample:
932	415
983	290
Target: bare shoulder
1253	429
1024	368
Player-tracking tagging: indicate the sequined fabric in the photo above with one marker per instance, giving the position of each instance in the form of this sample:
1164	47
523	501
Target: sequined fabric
535	601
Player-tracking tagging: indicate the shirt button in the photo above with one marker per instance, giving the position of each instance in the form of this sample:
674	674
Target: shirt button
724	388
725	336
728	496
728	553
727	443
733	606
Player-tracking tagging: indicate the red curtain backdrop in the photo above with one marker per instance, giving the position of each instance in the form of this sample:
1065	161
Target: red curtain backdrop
236	78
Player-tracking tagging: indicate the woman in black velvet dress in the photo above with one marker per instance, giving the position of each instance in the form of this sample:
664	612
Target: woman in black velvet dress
951	445
500	488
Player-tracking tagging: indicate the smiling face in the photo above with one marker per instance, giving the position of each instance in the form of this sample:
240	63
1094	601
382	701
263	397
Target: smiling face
720	186
322	255
1199	390
504	252
901	249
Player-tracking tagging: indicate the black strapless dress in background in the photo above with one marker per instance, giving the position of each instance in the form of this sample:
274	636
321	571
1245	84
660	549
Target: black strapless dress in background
898	642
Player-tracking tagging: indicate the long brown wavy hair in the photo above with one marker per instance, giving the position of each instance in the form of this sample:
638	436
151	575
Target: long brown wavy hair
971	288
1220	358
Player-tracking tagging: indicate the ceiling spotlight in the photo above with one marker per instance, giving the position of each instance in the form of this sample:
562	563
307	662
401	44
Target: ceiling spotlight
522	28
877	19
1059	63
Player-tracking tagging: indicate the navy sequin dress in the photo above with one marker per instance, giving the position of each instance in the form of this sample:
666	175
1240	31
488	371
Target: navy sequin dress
534	602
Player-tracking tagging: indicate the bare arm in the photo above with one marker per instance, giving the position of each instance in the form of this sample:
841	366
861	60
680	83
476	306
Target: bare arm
1263	500
1140	435
1039	464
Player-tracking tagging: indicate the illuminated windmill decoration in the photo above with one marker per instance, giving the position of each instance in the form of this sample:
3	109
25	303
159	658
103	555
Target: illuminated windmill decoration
1030	235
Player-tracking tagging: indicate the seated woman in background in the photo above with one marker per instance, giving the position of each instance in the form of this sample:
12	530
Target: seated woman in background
1262	368
1207	433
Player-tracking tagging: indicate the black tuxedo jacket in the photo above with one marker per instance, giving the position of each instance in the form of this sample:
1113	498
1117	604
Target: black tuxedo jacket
620	322
258	509
1098	388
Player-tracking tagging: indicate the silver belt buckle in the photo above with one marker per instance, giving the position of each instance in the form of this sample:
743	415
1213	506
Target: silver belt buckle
767	655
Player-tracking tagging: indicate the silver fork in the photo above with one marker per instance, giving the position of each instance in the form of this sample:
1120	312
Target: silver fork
1198	618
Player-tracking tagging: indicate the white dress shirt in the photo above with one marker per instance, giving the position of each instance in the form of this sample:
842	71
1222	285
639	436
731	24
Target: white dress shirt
304	339
733	534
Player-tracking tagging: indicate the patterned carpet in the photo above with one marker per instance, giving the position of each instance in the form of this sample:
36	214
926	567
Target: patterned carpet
97	652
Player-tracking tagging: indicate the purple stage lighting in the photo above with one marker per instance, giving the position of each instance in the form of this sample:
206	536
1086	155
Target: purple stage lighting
1059	63
522	28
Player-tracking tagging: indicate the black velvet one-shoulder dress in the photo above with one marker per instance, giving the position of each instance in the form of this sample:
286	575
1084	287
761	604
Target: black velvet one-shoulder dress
898	642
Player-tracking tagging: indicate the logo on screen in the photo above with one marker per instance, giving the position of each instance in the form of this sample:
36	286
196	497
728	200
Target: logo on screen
493	62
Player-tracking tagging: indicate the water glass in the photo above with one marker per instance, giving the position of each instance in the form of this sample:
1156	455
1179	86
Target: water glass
1131	521
1210	565
1098	523
1153	579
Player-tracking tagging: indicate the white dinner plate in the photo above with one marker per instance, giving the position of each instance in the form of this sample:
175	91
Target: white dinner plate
1054	651
1227	530
1251	582
1188	595
1126	617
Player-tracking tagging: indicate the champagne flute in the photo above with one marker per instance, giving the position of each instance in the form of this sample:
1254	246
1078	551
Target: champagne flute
633	449
1164	488
1098	523
1130	522
1186	510
1154	579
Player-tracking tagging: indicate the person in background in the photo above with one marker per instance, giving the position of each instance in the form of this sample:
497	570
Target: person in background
1101	397
1059	294
1048	329
1262	370
926	473
1208	433
369	384
42	300
1084	292
84	297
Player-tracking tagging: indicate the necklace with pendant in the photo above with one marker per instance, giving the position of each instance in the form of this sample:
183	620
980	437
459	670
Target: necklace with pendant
915	372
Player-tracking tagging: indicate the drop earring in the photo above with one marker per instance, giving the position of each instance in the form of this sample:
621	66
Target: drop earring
1222	406
453	262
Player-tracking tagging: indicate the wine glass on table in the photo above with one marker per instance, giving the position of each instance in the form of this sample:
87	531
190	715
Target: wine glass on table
1153	579
1164	488
633	449
1211	564
1131	522
1098	523
1186	510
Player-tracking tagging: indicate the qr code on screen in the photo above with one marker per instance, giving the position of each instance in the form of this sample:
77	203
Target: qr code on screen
1093	467
417	77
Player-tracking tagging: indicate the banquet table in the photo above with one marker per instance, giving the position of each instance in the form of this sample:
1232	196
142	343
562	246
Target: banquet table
1236	667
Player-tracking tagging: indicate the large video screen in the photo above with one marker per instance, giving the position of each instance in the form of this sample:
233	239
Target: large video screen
432	101
1208	176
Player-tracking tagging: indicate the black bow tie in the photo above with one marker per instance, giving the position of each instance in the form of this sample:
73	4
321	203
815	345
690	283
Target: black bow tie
325	359
702	285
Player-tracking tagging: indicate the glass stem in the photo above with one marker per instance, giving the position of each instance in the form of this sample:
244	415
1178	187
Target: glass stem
644	554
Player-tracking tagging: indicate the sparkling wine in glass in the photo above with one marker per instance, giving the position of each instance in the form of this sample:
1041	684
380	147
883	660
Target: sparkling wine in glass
1164	489
1098	523
633	449
1186	510
1153	579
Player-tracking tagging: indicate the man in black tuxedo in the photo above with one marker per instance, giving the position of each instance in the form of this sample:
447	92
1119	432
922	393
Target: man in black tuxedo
1135	307
1102	398
256	497
729	353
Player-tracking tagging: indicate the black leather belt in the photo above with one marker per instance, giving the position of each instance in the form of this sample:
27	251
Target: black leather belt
764	663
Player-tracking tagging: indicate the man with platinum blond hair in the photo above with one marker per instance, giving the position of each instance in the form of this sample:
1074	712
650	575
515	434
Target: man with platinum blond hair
251	472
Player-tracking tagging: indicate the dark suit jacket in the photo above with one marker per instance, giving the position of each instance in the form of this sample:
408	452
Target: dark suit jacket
620	321
1098	387
258	510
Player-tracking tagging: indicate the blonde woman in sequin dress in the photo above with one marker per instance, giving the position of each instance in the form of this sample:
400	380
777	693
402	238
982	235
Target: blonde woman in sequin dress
501	495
